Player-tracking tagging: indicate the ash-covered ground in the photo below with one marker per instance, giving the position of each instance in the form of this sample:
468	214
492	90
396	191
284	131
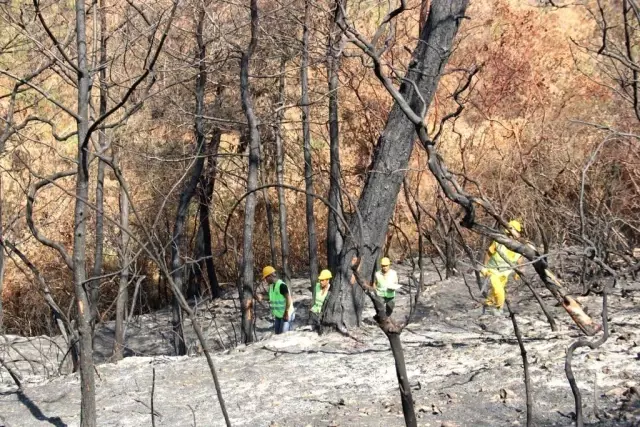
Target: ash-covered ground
466	369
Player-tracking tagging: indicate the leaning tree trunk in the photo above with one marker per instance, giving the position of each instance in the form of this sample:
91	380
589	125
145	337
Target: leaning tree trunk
83	315
206	196
306	135
123	283
177	267
334	237
102	144
378	199
245	290
282	203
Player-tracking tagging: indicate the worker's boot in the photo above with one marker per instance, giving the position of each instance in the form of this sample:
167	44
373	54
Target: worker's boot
488	310
492	311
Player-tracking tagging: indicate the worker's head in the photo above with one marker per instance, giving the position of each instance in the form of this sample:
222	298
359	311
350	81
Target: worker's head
385	264
269	274
515	225
324	277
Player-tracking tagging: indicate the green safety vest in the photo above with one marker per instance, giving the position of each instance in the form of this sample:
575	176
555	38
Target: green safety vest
502	259
277	300
317	305
381	287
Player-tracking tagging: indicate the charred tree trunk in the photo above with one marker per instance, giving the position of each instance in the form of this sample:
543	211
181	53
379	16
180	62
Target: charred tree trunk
245	290
282	203
424	12
102	144
123	282
177	266
306	135
334	52
1	258
450	247
270	227
378	199
83	309
206	196
392	330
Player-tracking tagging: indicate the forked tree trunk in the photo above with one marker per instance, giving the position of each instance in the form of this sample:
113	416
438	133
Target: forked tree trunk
308	167
334	47
177	266
245	290
378	199
83	309
282	204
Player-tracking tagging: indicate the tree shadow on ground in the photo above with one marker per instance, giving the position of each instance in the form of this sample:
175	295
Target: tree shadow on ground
37	413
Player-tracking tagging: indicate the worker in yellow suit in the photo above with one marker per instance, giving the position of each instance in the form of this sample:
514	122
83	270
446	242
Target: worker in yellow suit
498	261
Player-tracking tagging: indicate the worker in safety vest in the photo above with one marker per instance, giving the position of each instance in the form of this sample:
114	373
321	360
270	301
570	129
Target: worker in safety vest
321	292
280	301
386	284
498	261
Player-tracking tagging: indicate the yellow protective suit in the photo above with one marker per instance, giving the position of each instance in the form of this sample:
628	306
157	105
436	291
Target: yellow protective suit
498	271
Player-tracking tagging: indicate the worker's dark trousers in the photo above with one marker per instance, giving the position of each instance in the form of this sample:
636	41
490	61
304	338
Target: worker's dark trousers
390	303
314	321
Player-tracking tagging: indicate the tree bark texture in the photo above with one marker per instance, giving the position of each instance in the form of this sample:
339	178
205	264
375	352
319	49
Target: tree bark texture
306	135
79	256
102	145
377	201
1	259
525	364
403	380
177	266
207	184
270	227
334	52
123	283
246	283
282	203
392	330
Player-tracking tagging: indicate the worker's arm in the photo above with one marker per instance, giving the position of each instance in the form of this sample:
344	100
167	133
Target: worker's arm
286	310
284	291
519	261
487	256
489	253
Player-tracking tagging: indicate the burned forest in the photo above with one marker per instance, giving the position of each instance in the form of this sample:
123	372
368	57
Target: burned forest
320	213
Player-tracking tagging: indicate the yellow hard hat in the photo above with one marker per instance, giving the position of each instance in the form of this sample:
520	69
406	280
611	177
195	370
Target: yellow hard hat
515	224
325	275
385	261
267	271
